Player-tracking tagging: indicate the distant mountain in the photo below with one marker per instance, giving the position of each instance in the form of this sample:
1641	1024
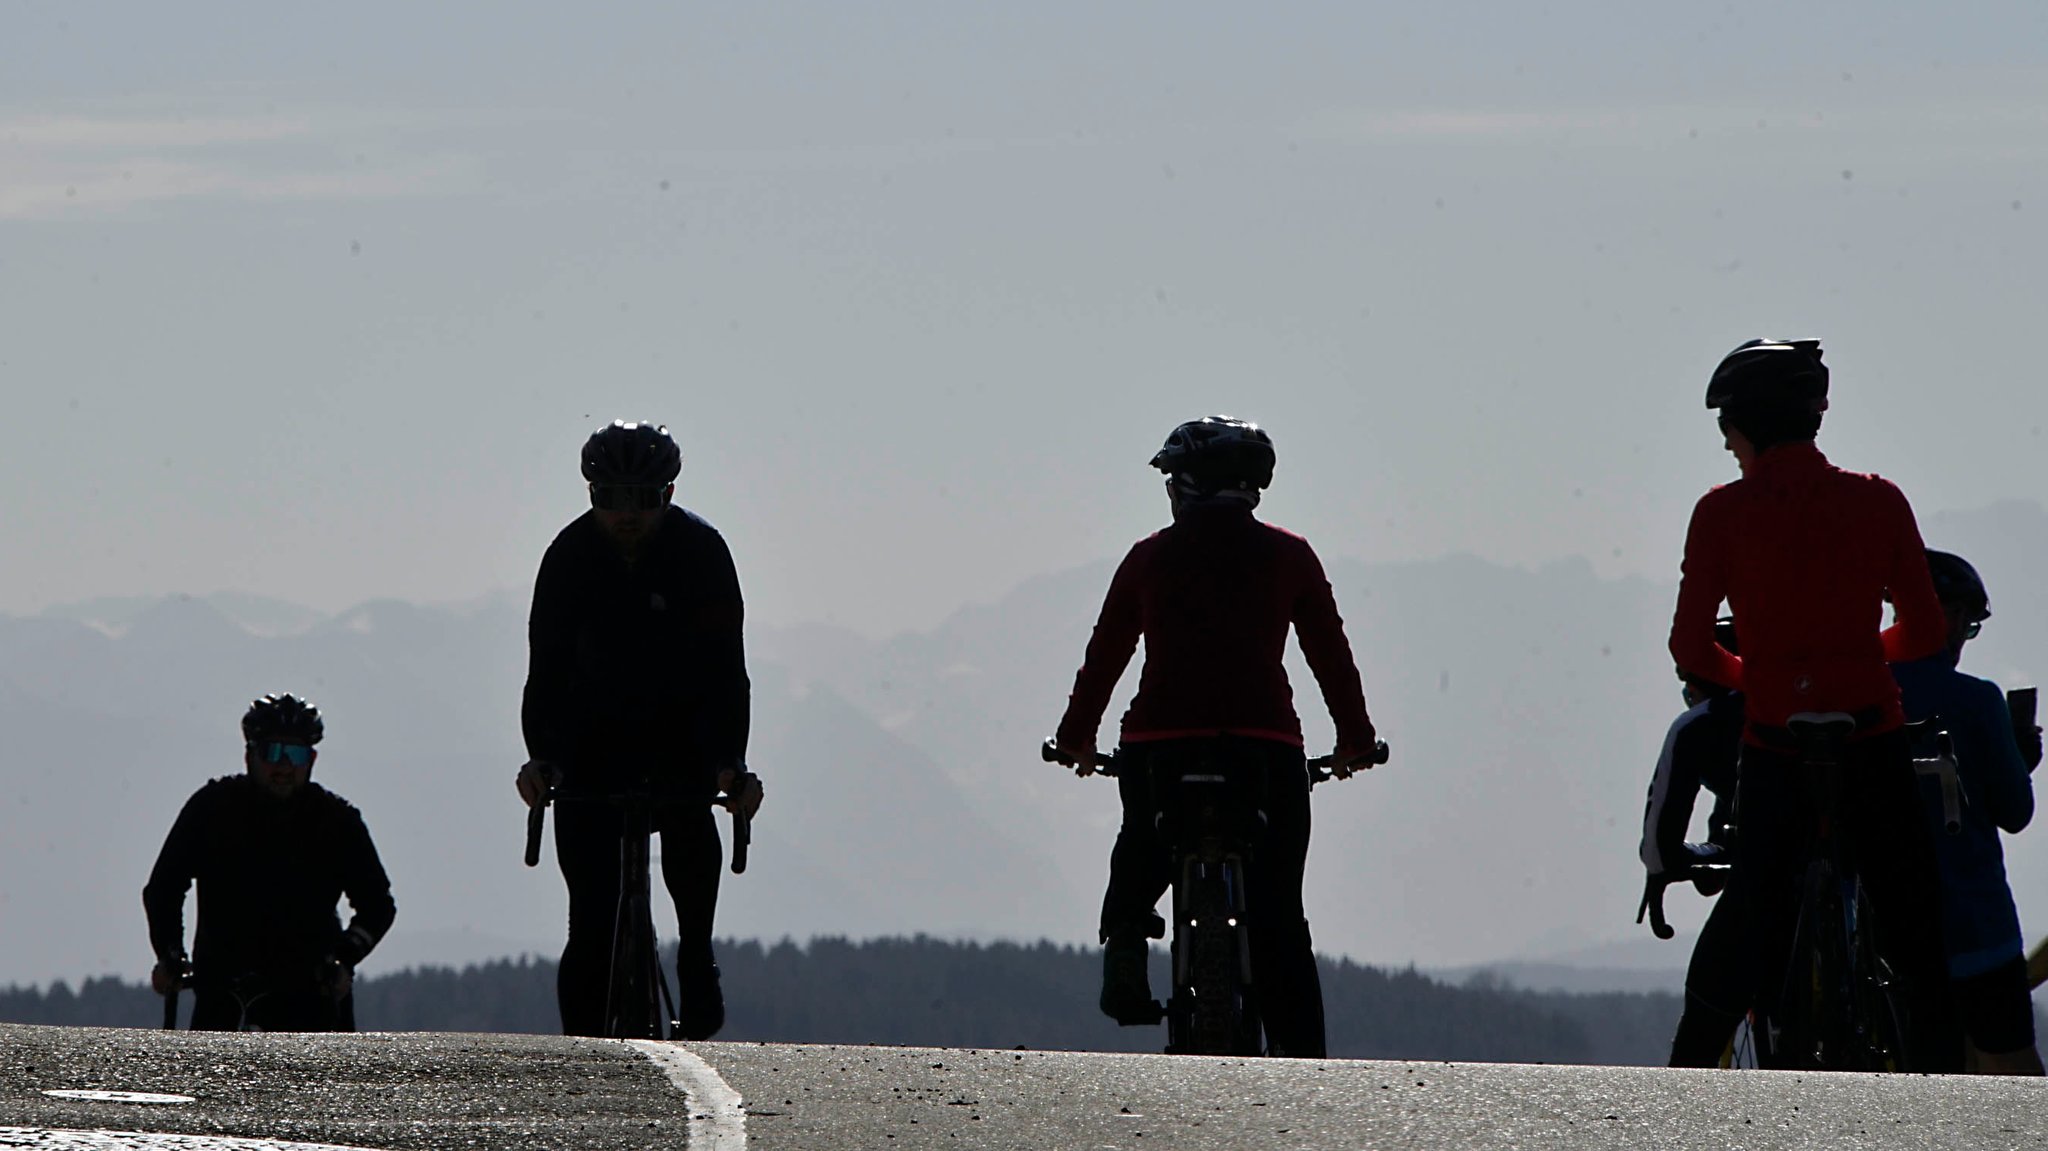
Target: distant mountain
260	615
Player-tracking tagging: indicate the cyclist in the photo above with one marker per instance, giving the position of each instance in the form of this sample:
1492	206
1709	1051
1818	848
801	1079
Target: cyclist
636	674
1700	751
1212	595
273	853
1986	965
1805	553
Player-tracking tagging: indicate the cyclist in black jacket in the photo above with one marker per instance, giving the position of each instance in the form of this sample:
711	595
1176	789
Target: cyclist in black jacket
273	853
637	674
1701	751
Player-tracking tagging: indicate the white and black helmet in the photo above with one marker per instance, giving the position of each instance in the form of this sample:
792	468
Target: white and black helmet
636	454
1217	453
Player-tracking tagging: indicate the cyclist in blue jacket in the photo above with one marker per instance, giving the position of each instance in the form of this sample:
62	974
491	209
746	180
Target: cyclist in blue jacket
1980	926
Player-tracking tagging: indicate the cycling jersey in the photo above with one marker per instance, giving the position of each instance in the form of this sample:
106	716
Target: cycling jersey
1212	596
637	665
1805	553
1979	923
271	872
1699	750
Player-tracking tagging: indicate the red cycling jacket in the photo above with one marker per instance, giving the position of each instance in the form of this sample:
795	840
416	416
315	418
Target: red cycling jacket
1805	553
1212	596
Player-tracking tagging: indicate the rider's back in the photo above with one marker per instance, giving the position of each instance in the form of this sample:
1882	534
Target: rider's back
1804	552
1213	596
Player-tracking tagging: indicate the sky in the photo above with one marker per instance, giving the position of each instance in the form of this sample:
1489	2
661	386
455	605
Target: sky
320	303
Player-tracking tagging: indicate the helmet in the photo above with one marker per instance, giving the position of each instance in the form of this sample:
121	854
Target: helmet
286	718
1218	452
631	454
1958	584
1784	374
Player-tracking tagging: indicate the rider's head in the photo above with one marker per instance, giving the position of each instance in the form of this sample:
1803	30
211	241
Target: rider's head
631	469
278	734
1769	392
1216	459
1697	691
1962	595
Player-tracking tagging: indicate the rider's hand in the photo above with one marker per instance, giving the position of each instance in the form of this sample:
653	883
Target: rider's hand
750	794
535	777
2029	739
336	978
166	978
1347	760
1081	759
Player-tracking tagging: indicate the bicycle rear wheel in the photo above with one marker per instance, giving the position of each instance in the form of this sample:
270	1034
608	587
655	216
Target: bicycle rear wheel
1874	993
1219	1009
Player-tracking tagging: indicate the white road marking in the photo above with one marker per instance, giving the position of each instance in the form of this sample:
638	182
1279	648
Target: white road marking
40	1139
148	1097
718	1116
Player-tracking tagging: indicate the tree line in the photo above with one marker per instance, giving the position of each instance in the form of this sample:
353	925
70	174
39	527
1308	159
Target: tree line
938	993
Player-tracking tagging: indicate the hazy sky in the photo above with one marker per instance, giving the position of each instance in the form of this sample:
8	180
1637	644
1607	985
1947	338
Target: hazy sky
320	303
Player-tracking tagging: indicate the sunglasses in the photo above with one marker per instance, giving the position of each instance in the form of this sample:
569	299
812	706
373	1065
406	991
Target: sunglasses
296	754
628	497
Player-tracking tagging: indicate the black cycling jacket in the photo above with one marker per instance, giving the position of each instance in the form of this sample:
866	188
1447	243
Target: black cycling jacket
271	872
1701	750
637	667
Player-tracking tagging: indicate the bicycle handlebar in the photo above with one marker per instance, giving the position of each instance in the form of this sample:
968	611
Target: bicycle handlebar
1707	877
1320	769
742	824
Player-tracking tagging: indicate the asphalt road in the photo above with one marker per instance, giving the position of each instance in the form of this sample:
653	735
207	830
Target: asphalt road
491	1091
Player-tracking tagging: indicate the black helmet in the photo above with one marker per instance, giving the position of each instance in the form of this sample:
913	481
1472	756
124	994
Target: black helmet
1959	585
643	455
285	718
1219	452
1772	374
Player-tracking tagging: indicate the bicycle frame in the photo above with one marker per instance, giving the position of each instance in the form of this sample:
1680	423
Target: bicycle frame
1210	806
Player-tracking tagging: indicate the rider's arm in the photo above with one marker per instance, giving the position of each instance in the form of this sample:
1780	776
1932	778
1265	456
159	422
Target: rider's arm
551	653
1674	788
368	890
1993	772
163	897
723	691
1320	631
1702	585
1922	627
1109	652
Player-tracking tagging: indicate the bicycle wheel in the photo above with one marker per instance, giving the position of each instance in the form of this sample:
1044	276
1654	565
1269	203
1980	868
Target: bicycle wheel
1214	964
1802	1034
1874	994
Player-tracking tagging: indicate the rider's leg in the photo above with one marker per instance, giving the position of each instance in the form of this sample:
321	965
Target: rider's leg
691	858
1716	996
215	1011
587	838
1999	1016
1139	874
1895	856
1290	990
1773	830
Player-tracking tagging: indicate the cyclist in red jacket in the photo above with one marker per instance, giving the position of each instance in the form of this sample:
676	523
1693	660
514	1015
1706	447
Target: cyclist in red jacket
1805	554
1213	596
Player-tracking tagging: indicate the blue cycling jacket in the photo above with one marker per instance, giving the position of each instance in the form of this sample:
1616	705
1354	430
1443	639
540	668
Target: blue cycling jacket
1980	925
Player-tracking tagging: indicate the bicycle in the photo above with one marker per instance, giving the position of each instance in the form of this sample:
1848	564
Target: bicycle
1211	809
1708	867
1839	1007
251	989
637	1000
